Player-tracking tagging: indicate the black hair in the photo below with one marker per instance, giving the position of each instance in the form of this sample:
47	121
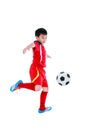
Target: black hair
40	31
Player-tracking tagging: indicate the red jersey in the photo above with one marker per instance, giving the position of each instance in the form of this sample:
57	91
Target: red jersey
39	54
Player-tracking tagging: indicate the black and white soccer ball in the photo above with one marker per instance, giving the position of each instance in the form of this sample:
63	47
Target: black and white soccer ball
63	78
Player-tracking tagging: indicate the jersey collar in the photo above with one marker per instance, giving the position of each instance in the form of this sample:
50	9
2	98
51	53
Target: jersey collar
38	42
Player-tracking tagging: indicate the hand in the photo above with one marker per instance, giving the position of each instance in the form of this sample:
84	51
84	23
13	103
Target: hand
48	56
24	50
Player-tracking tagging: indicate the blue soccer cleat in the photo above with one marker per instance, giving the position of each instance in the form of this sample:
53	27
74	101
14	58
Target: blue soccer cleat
15	86
46	109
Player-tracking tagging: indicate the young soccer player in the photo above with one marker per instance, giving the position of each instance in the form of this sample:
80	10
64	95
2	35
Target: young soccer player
37	72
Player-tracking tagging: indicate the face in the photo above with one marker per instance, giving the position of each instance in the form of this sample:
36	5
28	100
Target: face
42	38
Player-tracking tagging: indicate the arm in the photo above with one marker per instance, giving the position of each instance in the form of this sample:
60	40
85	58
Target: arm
32	45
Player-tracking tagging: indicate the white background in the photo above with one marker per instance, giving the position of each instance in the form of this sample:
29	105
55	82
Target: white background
66	23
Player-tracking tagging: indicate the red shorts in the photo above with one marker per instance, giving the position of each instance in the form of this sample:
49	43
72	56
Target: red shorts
37	75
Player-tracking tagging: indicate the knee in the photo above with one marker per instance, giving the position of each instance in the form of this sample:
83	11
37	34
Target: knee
45	89
37	87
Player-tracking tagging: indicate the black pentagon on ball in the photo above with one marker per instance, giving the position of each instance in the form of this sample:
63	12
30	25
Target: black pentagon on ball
57	77
62	78
67	83
68	75
62	72
60	84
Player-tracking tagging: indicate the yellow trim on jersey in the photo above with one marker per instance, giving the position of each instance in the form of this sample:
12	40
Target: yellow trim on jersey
37	75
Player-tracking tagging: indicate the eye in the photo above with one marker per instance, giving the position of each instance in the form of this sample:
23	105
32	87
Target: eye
42	37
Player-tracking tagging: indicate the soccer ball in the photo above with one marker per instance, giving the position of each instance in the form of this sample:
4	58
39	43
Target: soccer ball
63	78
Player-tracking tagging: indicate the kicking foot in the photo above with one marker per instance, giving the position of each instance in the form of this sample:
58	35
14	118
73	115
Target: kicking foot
45	110
15	86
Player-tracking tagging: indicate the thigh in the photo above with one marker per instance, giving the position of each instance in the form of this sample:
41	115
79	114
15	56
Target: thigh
44	79
35	75
45	85
45	82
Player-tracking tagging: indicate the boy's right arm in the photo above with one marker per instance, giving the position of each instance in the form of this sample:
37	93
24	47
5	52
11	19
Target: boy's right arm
32	45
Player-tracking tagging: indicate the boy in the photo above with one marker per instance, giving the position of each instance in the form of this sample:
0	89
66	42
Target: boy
37	72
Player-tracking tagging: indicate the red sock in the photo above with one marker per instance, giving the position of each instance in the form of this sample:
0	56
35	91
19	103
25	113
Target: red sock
30	86
43	100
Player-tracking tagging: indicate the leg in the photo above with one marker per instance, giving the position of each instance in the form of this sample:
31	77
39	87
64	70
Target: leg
43	98
30	86
35	84
38	87
35	77
44	93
